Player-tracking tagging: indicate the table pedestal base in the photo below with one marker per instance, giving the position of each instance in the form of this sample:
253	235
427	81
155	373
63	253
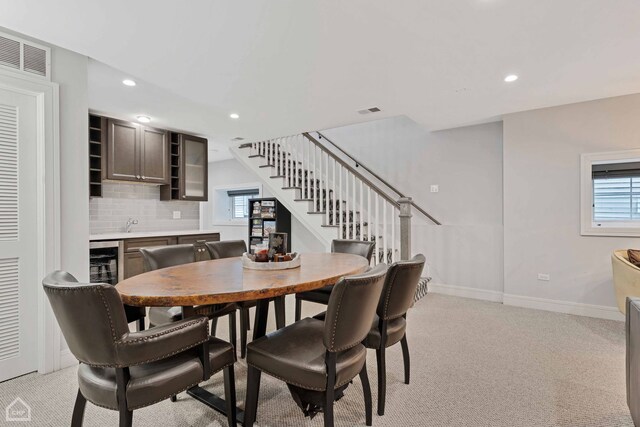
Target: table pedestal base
213	402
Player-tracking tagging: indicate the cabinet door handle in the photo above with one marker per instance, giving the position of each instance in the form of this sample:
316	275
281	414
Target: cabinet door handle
143	177
138	176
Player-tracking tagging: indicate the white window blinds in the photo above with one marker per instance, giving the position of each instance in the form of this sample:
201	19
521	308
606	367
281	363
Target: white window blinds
616	199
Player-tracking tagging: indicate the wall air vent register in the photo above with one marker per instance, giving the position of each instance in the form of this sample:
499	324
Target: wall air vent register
24	57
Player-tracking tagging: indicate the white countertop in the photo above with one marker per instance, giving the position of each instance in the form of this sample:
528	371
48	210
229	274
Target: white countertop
137	234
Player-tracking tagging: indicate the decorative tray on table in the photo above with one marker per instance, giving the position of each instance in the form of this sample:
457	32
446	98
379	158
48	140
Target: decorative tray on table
292	261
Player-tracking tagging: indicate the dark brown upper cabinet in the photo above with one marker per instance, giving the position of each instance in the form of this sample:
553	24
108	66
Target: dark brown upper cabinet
137	153
189	168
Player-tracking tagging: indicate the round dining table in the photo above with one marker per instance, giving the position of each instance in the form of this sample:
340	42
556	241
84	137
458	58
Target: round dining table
226	280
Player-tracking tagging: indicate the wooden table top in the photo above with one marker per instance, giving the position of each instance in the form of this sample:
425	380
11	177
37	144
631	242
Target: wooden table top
225	280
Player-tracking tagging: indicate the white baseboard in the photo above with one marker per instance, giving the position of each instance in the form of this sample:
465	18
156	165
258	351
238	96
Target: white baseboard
67	359
464	292
568	307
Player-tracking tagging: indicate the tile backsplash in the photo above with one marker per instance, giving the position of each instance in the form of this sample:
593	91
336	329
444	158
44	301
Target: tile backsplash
120	202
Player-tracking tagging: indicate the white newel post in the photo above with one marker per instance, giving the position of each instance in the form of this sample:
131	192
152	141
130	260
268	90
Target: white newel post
405	227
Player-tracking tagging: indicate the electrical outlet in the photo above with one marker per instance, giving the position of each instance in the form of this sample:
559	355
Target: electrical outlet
177	214
435	188
544	277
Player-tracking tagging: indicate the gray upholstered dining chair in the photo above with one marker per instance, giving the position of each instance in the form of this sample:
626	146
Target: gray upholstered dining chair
390	325
235	248
321	296
318	359
125	371
168	256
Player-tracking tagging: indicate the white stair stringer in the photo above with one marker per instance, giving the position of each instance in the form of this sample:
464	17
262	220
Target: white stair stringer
299	209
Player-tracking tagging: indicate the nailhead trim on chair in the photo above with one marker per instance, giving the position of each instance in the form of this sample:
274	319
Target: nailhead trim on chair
173	394
388	295
306	387
357	282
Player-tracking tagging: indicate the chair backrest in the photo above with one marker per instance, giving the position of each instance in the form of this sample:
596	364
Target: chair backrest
357	247
351	308
400	287
167	256
91	317
226	248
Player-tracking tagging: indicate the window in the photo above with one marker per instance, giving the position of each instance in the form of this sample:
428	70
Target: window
611	194
239	200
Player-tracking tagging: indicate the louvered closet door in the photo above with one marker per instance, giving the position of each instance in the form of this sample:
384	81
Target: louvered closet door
18	228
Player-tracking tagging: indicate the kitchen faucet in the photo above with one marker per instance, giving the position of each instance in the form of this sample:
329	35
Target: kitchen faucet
130	222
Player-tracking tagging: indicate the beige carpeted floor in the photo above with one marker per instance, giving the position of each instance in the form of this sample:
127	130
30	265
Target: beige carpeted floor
474	364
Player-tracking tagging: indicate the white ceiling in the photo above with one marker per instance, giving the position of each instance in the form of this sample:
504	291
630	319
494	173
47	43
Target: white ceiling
293	65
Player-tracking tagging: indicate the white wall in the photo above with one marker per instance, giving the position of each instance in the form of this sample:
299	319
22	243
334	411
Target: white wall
69	70
230	174
542	199
466	163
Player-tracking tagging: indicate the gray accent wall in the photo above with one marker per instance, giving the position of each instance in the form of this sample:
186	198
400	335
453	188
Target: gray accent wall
542	151
466	164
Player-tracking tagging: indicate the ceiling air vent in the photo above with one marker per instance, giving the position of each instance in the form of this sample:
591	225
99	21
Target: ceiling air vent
369	110
23	56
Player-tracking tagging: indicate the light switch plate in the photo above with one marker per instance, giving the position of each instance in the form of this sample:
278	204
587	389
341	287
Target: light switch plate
435	188
177	214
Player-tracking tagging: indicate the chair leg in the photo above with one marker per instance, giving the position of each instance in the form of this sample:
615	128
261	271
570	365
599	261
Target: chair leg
329	394
298	309
382	379
214	326
280	312
405	357
232	330
366	390
78	410
244	327
245	312
230	395
126	418
328	408
251	399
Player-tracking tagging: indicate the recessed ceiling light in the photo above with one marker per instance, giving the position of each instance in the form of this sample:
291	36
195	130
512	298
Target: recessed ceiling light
511	78
144	119
234	116
128	82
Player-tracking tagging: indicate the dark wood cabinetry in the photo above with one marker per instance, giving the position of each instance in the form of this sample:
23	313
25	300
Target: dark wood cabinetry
132	259
126	151
137	153
189	168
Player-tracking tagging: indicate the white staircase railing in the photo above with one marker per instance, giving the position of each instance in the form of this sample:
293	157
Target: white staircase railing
345	199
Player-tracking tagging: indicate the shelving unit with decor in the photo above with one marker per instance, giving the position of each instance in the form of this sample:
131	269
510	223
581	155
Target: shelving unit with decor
267	216
97	159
